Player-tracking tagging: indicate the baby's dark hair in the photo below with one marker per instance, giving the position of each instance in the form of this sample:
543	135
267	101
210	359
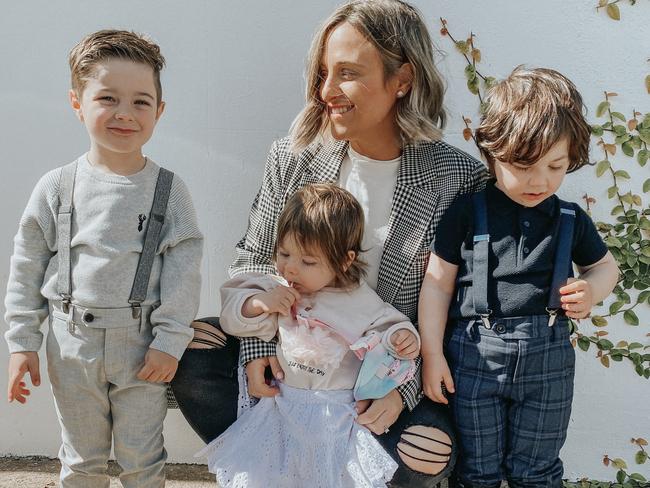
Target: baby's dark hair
329	219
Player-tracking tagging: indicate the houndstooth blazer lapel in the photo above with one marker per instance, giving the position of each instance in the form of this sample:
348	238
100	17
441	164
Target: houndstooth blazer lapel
325	164
412	211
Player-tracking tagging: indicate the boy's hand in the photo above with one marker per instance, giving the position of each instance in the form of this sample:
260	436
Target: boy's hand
405	344
279	300
158	367
435	373
577	298
19	364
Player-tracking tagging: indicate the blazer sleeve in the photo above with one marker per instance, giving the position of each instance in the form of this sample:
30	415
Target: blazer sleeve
254	252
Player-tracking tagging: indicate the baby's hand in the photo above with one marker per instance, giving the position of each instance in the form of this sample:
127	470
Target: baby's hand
435	374
278	300
577	298
405	344
19	364
158	366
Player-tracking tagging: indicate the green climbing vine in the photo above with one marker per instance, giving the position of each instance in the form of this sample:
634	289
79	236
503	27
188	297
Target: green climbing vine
622	141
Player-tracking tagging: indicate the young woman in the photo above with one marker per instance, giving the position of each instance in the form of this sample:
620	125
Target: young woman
371	124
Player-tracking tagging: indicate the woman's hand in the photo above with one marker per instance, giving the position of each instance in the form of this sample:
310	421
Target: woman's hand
435	373
378	415
257	386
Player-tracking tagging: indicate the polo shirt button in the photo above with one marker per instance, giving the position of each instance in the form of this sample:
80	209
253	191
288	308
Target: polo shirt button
526	250
526	223
88	317
500	328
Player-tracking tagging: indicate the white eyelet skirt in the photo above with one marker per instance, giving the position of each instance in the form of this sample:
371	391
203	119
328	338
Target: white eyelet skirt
299	438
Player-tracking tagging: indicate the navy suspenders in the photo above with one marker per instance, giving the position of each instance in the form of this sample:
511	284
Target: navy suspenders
480	271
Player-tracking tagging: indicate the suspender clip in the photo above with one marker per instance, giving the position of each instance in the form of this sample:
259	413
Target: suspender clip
136	310
485	318
65	304
552	316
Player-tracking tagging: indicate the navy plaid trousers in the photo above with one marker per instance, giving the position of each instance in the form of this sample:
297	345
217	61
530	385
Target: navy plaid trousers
514	387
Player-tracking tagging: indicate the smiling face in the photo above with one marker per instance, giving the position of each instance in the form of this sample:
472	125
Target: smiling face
530	185
307	270
360	101
119	108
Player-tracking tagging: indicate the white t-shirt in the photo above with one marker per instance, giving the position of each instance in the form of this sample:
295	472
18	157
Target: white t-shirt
372	182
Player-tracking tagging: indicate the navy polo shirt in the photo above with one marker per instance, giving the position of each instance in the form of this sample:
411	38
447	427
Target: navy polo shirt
522	250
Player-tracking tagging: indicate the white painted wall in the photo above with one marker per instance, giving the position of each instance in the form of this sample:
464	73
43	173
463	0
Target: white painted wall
234	83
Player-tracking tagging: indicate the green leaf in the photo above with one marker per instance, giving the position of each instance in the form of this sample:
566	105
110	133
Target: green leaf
602	107
635	345
470	72
619	116
643	296
596	130
620	474
462	46
615	307
644	134
647	83
621	173
613	11
611	191
613	241
619	463
646	186
604	344
490	81
630	317
627	148
584	343
638	476
598	321
642	156
602	166
473	85
619	130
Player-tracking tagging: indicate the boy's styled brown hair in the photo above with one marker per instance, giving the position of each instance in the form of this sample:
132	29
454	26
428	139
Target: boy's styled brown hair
110	44
329	219
527	113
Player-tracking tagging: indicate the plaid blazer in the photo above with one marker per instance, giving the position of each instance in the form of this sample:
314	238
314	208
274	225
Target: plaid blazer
430	176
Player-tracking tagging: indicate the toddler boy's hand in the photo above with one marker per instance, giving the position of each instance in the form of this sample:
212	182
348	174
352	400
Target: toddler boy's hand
577	299
435	374
405	344
158	367
278	300
19	364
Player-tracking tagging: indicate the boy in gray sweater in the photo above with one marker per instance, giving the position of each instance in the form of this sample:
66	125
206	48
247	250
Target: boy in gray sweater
109	249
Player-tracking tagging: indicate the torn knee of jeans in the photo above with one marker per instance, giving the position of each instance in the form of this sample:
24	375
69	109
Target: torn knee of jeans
207	336
424	449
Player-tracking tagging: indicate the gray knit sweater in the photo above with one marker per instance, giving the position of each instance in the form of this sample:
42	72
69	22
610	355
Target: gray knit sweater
108	228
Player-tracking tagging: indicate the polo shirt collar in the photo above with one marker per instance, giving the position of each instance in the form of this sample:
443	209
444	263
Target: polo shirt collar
502	201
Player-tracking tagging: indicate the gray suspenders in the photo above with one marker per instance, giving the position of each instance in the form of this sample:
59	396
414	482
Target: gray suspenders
480	256
151	239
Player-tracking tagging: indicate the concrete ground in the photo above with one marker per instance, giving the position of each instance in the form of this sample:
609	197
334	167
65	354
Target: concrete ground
42	472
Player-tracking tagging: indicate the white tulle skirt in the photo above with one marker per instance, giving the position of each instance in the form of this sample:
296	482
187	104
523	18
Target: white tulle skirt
297	439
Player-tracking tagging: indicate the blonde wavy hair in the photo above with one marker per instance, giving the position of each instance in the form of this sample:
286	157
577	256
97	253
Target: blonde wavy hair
527	113
398	32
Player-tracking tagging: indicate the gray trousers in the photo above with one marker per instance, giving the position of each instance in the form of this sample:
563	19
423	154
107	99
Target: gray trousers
97	395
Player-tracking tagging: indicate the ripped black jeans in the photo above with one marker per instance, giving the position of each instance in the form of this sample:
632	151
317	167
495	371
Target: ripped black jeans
206	389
